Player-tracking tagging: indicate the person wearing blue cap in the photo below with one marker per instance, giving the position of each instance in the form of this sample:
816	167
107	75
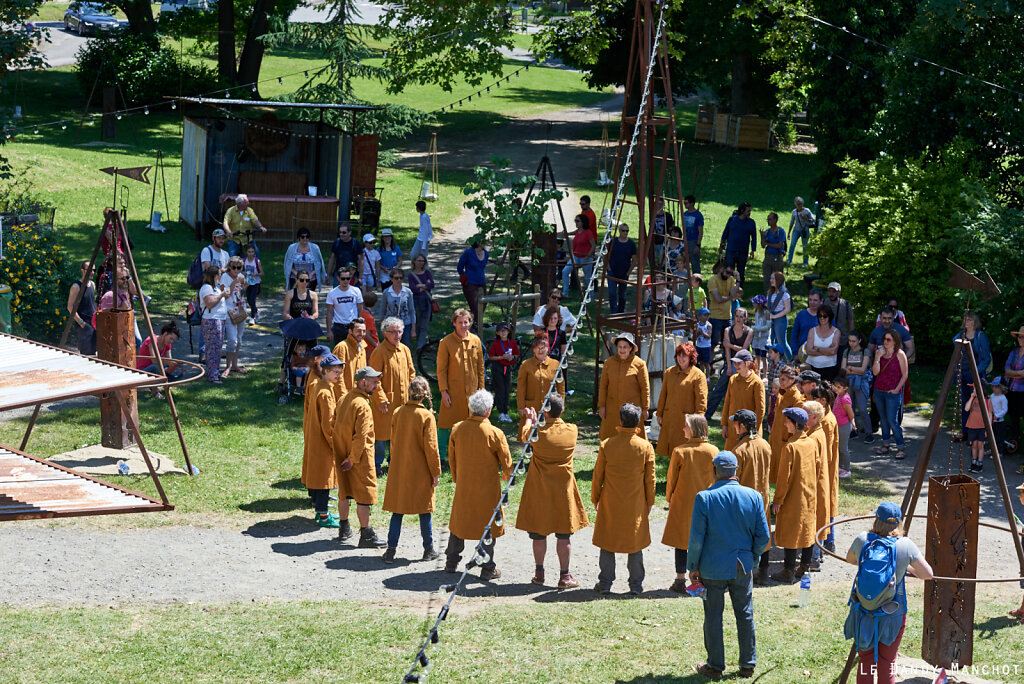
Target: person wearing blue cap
728	531
878	600
703	340
796	498
318	470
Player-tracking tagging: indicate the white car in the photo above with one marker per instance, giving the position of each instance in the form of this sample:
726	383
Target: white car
168	6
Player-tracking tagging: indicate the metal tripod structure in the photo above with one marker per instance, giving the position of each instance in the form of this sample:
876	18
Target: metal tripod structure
655	155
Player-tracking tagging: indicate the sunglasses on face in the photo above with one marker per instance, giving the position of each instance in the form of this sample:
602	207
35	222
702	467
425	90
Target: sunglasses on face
344	278
303	280
397	279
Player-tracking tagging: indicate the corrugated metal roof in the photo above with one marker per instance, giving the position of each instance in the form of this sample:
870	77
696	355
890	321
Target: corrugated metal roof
33	373
32	488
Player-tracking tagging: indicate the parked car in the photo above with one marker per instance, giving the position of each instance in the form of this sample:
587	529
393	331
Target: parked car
89	19
171	6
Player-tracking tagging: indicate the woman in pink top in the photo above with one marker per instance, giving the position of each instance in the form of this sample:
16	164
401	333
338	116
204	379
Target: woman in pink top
842	409
146	361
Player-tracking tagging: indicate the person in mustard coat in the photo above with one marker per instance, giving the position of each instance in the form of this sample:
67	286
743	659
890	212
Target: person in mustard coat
624	380
753	458
825	395
394	360
795	504
315	354
622	491
318	472
460	373
690	471
684	390
352	436
535	376
415	468
789	397
352	350
551	502
745	391
815	414
479	452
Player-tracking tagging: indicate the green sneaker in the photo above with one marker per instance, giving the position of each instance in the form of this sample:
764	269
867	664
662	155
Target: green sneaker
328	521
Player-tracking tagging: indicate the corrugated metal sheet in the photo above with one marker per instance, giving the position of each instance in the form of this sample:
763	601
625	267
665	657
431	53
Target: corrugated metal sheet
32	488
33	373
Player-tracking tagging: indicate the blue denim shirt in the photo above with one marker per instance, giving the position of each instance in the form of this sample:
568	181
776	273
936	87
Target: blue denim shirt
739	531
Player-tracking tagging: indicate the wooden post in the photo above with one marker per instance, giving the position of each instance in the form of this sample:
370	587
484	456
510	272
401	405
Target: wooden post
115	342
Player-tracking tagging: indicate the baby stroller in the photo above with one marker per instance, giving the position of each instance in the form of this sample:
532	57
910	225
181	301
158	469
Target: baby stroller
296	331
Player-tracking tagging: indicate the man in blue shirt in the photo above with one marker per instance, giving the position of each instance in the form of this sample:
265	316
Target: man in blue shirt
621	260
773	239
887	322
693	221
804	321
728	531
740	231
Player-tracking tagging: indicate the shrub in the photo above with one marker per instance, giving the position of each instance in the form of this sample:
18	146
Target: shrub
142	67
894	225
40	276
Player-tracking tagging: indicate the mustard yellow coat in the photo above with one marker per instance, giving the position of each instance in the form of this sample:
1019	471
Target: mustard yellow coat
682	392
460	372
415	460
796	494
318	471
754	456
395	364
551	502
742	393
831	430
690	471
354	355
822	495
622	382
779	435
353	440
312	377
476	453
623	491
533	383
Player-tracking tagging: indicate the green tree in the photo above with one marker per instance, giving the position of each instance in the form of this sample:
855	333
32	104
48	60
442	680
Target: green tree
18	50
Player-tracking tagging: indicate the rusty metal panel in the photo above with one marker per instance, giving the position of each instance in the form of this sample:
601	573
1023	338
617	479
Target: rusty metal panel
33	373
952	551
32	488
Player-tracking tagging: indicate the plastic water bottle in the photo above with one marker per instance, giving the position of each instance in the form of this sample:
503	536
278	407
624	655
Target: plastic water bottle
123	468
805	591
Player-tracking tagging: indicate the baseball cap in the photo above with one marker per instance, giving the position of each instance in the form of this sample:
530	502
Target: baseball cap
746	418
835	286
703	310
386	231
726	460
318	350
779	348
330	360
797	415
809	376
501	326
368	237
367	372
888	512
219	232
742	355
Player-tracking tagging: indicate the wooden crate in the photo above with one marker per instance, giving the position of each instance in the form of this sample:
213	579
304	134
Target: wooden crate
705	123
751	133
722	131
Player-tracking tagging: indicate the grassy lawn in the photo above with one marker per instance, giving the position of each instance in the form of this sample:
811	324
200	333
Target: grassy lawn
544	640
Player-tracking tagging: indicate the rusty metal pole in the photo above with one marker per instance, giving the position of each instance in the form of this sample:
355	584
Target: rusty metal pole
952	551
31	424
133	425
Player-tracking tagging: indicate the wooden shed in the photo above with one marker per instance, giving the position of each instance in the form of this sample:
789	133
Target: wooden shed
297	174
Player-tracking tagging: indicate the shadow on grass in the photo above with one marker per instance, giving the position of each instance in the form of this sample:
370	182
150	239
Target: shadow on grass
292	484
867	487
279	504
989	628
287	527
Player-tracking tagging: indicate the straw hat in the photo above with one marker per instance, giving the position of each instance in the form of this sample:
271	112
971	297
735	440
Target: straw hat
1018	332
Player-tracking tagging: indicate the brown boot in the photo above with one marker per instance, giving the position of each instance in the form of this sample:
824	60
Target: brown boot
761	577
786	576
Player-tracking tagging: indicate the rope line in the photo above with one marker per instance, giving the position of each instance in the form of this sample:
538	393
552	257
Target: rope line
421	663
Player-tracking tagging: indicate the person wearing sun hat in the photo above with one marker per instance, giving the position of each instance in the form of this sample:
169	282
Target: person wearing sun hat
796	504
624	380
1013	376
319	473
878	629
745	391
728	533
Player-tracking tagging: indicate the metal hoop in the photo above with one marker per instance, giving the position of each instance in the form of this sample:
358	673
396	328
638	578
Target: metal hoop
172	383
961	580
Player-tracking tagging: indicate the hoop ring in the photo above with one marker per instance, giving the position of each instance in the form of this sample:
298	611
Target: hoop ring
182	381
961	580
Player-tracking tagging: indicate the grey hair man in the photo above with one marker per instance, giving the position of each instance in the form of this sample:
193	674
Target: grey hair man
477	450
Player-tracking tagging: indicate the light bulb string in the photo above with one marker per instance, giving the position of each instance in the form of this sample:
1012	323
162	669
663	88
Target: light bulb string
420	662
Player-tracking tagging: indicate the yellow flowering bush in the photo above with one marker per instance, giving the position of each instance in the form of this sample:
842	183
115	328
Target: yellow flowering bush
36	268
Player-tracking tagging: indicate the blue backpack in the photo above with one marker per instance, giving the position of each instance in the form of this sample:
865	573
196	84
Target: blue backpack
875	583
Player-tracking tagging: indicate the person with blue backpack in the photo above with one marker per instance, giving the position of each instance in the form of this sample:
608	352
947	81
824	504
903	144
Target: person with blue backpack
878	599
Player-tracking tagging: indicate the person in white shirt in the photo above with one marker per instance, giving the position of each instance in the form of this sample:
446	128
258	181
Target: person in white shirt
554	300
371	263
426	233
214	254
344	304
799	227
1000	406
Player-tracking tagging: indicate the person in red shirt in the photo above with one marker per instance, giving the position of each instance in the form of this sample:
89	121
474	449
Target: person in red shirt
371	339
503	354
589	213
584	246
145	359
